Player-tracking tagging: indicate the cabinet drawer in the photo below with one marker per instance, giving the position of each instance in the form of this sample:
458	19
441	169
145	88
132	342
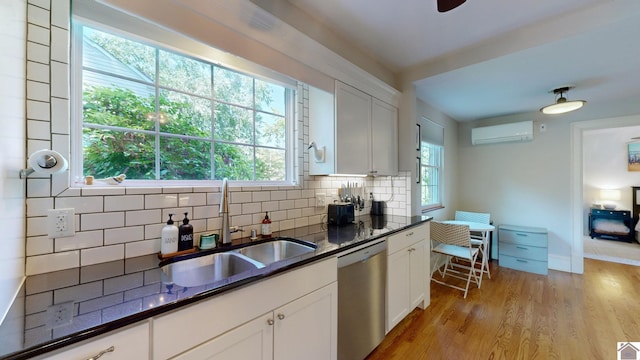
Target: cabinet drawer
612	213
406	238
524	251
532	266
523	238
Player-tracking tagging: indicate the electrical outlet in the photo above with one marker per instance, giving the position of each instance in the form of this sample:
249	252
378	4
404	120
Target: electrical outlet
60	223
321	200
59	314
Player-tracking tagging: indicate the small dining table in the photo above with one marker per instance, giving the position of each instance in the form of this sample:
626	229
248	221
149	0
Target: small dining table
484	229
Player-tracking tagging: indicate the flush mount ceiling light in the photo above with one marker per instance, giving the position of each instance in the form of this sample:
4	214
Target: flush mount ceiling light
562	105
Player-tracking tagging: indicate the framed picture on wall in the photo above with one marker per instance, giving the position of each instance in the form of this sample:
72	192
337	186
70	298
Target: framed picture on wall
633	156
418	137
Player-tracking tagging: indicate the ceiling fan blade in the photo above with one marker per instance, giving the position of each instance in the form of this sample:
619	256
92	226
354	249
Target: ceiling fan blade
446	5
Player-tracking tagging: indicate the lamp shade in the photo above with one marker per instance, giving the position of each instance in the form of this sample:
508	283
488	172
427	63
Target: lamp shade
612	195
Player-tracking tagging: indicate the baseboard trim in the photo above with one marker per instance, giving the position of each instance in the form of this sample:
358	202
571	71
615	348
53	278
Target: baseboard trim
560	263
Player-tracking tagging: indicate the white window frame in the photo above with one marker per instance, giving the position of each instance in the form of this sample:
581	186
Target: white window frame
440	169
187	47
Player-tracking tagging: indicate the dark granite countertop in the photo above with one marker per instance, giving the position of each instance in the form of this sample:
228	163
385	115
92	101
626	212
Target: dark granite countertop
108	296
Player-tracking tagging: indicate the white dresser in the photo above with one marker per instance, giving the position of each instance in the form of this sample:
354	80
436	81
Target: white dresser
523	248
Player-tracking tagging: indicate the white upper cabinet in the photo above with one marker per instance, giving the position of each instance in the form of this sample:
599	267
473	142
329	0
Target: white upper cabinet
362	140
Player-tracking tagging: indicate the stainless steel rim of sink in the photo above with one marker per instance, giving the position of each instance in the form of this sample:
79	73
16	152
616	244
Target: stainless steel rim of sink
238	262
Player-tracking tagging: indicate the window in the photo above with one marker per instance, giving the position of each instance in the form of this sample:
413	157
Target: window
431	164
430	175
153	113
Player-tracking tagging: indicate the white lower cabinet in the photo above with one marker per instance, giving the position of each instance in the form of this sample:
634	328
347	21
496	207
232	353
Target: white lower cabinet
302	329
130	343
407	273
290	316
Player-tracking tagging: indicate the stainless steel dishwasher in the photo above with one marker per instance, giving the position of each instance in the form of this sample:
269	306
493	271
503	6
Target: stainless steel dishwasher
362	278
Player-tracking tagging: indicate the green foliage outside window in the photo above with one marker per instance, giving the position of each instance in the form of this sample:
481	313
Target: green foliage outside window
177	129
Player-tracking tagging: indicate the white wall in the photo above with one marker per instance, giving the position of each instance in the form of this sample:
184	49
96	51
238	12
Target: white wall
605	165
521	183
12	148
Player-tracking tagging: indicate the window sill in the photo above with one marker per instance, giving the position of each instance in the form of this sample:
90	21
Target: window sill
432	208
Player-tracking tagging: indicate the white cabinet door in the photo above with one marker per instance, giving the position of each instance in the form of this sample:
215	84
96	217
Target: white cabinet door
398	286
307	328
384	138
353	131
418	273
251	341
131	343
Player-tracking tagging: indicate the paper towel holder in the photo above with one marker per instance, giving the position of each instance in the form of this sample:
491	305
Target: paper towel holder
45	162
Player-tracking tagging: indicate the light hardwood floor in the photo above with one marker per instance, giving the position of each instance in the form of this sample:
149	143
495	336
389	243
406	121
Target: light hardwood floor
519	315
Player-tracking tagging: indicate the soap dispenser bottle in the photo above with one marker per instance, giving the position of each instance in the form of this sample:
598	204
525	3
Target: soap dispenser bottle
266	226
169	237
185	235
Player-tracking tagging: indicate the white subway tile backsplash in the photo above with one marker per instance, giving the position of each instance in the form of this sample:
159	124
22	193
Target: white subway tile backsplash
52	262
241	220
39	129
99	190
37	91
192	199
36	226
302	221
154	231
287	224
38	245
240	197
214	224
37	52
59	116
176	189
38	16
160	201
59	79
38	34
301	203
295	213
38	187
81	240
37	72
38	110
39	206
59	41
213	198
278	215
143	190
125	202
142	217
294	194
270	206
251	208
203	212
101	221
286	204
260	196
139	248
85	204
278	195
123	235
101	254
60	14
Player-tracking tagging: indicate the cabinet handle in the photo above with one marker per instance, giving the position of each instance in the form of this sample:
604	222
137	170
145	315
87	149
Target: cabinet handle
412	249
409	234
523	261
270	322
98	355
522	247
521	234
281	316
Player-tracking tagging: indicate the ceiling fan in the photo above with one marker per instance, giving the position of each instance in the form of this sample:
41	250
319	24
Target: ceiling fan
446	5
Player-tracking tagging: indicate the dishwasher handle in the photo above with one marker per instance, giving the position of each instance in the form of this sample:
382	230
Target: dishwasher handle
362	255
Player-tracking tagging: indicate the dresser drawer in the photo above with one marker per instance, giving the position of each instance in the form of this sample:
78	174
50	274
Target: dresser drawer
523	238
523	251
612	213
533	266
408	237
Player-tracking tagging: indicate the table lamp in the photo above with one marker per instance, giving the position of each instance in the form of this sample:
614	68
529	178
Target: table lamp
609	195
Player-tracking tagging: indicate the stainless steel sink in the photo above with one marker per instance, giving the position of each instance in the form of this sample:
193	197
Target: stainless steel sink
208	269
233	265
277	250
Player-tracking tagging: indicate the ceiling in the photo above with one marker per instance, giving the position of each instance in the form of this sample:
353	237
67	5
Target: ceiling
490	58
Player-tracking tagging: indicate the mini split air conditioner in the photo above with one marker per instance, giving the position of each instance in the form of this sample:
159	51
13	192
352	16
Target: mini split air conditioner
520	131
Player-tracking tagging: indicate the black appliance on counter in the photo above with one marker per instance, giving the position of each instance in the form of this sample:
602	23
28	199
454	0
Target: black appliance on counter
340	213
